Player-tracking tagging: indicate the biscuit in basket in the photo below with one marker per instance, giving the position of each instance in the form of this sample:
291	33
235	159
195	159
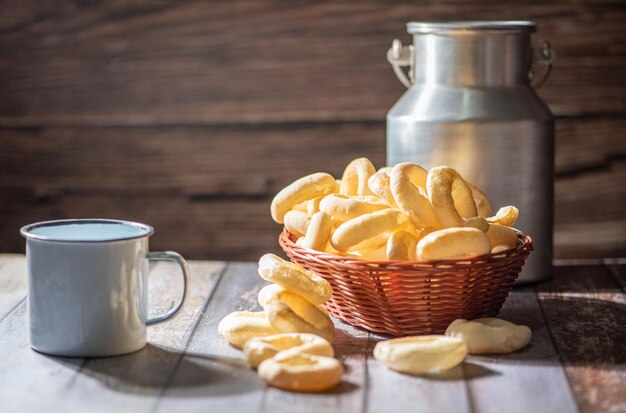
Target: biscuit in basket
303	189
366	226
355	176
453	243
452	199
408	183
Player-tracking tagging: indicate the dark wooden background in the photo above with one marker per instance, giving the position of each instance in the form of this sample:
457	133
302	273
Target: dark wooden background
191	115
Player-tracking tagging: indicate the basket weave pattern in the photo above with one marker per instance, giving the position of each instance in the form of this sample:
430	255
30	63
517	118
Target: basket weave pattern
412	298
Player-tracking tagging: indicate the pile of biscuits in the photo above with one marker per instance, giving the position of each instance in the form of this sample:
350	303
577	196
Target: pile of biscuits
289	341
404	213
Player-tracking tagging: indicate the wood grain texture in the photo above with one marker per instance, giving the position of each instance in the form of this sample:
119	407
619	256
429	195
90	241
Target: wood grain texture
574	362
13	282
214	373
585	311
445	392
166	62
619	272
209	198
31	382
191	115
533	376
124	383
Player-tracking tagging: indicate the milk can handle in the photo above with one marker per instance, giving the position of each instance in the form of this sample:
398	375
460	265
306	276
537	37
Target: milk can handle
400	56
541	56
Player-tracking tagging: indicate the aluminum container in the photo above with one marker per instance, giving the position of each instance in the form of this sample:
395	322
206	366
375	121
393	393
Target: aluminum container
471	105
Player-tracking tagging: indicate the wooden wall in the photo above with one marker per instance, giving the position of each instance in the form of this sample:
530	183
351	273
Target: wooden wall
191	115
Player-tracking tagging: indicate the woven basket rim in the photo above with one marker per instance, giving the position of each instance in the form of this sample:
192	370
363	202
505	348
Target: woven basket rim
418	297
525	243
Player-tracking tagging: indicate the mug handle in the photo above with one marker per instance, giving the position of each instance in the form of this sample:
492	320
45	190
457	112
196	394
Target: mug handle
176	257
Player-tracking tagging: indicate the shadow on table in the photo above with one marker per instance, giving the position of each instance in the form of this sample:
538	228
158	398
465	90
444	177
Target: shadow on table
153	369
584	331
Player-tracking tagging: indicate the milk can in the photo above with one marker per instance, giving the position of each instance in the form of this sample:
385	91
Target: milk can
471	105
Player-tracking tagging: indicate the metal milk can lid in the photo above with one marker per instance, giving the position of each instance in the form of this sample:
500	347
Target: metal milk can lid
474	25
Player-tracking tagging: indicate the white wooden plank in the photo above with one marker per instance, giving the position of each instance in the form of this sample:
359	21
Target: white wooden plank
388	390
125	383
531	380
213	375
13	282
29	381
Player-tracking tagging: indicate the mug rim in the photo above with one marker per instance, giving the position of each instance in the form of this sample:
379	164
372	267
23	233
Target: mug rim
25	231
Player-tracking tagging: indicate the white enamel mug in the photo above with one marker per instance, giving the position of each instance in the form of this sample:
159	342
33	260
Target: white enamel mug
88	286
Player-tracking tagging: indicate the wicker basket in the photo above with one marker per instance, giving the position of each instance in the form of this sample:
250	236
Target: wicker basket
413	298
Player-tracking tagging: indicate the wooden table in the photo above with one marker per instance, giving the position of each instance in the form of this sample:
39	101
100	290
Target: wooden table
576	360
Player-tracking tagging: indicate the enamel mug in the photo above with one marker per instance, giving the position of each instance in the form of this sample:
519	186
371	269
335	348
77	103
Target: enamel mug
88	286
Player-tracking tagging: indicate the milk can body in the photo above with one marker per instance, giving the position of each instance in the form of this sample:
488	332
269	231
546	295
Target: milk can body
470	106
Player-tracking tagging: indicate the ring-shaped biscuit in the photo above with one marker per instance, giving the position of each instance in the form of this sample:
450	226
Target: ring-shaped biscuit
344	208
301	372
501	235
421	354
452	199
291	313
303	189
260	349
297	222
355	176
453	243
241	326
483	205
401	246
505	216
406	180
294	278
318	231
490	335
364	227
380	185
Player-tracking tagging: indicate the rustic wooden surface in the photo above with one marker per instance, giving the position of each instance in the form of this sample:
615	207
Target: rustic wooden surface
161	111
574	363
